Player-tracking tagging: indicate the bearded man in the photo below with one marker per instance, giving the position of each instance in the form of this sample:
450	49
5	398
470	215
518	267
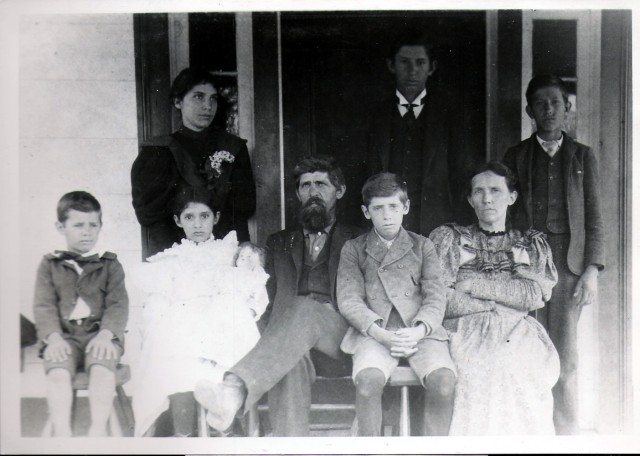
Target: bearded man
304	331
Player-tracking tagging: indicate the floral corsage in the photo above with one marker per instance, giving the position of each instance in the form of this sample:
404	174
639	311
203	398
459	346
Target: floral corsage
212	166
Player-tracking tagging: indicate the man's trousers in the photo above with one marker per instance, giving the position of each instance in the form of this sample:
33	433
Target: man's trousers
282	362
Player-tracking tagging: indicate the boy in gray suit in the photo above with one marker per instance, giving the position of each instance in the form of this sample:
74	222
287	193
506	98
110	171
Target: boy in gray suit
391	292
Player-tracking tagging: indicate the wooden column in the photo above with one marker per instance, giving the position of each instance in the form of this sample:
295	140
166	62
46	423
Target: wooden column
266	156
614	402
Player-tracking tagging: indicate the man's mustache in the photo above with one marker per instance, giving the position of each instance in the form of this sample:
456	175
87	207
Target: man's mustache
314	200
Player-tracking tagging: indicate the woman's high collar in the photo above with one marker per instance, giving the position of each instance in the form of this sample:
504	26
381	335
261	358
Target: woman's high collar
492	233
197	135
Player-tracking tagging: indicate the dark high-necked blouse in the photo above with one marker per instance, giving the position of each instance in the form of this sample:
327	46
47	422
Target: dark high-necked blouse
167	163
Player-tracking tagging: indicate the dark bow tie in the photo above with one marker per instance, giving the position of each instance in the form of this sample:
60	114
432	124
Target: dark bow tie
66	255
410	115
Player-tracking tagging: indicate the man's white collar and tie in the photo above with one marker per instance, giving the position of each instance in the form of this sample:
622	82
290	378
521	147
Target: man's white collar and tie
414	108
550	147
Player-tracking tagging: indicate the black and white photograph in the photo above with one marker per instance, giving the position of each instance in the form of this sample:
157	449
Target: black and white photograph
215	210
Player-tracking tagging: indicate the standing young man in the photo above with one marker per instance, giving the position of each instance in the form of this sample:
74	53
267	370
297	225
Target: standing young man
414	134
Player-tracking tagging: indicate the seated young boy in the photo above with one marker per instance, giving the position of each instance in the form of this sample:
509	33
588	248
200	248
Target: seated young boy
81	309
391	292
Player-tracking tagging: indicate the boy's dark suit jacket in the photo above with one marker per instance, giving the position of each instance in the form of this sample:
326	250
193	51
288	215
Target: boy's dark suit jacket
285	261
101	285
445	162
583	199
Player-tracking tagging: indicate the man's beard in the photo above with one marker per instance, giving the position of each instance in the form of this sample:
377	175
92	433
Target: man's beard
314	217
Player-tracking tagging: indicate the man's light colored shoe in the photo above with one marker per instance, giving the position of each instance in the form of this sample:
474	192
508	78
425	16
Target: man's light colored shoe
213	421
222	402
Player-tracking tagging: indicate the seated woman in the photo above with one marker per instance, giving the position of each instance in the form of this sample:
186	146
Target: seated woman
506	363
199	316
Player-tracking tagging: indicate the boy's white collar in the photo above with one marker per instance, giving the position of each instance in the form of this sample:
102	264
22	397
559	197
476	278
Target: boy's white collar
540	140
386	242
100	253
417	101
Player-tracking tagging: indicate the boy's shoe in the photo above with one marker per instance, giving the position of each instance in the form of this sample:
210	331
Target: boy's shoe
212	421
222	401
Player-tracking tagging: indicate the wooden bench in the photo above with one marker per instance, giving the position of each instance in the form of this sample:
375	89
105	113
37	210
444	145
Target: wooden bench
404	377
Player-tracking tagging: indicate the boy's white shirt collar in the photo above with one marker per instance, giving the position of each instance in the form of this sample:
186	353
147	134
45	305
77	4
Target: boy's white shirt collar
416	109
77	267
100	253
417	101
540	140
387	243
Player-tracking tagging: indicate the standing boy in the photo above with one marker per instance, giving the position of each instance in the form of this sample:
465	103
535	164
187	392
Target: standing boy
416	132
390	290
559	186
81	309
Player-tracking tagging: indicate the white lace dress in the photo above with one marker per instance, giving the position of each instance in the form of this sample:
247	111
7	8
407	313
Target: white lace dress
197	320
506	362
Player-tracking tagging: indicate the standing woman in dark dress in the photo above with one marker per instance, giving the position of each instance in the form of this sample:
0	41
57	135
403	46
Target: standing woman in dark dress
199	154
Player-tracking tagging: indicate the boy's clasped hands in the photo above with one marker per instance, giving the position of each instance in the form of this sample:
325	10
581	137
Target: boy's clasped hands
402	343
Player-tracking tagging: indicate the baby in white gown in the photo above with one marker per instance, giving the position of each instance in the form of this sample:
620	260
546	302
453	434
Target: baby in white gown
251	258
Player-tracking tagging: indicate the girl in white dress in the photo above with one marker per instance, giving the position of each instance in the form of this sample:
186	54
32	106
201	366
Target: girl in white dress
199	315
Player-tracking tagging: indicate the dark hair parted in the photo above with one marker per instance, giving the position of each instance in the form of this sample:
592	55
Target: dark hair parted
542	81
496	168
187	79
411	38
320	163
382	185
78	201
187	195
